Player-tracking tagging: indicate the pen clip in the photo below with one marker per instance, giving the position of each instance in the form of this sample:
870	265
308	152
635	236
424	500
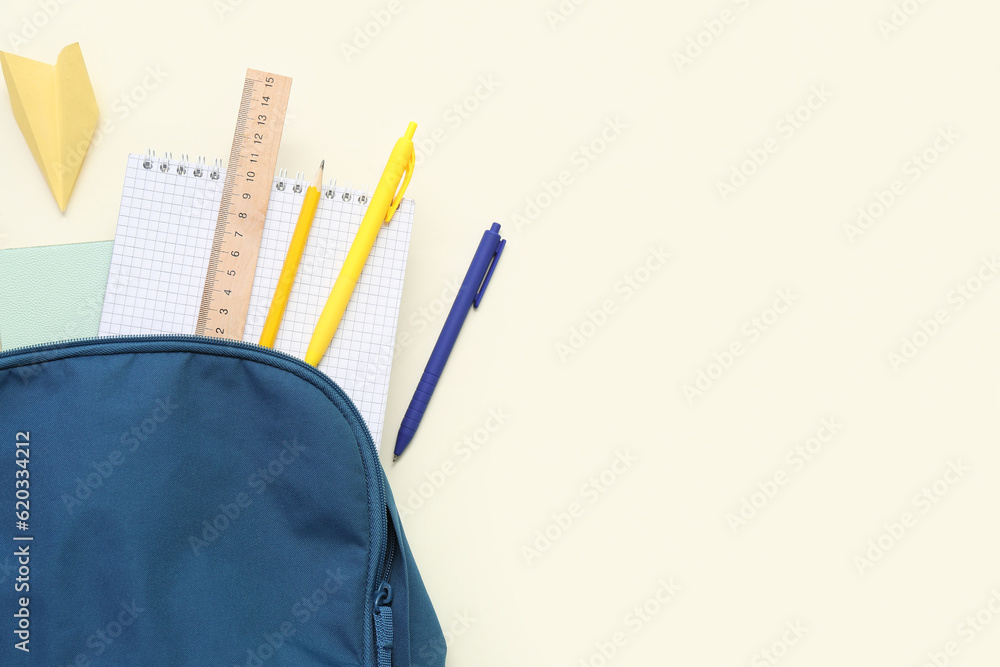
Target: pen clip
489	274
402	189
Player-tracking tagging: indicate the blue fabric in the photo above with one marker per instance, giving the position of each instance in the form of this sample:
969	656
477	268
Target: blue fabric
194	502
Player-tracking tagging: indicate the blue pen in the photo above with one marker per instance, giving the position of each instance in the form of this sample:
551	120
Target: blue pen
469	295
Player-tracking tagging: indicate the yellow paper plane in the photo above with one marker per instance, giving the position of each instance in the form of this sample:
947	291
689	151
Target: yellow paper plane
56	109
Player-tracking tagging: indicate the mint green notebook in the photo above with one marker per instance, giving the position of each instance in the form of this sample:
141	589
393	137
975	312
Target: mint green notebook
51	293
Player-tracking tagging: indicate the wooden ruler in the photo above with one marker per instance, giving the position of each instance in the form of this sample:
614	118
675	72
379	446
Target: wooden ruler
245	193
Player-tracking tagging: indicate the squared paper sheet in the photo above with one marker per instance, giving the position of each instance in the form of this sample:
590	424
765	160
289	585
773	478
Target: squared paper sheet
162	245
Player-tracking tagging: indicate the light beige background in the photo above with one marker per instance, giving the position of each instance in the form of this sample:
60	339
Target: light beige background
666	516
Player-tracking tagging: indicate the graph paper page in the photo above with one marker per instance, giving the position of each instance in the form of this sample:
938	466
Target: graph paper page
162	244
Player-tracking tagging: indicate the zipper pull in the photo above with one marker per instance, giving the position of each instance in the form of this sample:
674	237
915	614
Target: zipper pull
383	625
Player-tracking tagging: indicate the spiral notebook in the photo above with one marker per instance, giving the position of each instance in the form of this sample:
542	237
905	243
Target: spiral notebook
162	244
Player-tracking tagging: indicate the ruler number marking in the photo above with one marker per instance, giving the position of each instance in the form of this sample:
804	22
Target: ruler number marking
246	191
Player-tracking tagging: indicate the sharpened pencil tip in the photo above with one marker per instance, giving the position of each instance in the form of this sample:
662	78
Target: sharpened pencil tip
322	163
318	179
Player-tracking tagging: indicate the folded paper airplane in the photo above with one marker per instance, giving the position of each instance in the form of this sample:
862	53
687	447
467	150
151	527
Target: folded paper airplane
56	109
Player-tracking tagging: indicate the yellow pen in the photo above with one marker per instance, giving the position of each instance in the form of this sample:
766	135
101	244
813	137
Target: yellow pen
383	205
291	266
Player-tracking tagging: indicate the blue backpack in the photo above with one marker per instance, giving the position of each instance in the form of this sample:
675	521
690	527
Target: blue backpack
180	500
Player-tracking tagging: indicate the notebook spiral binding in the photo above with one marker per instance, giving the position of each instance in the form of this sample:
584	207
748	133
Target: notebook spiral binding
200	169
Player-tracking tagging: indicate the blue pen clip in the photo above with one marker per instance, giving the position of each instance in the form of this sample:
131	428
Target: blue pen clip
489	274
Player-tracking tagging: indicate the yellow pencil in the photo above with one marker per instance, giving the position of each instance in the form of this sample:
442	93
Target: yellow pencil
291	266
380	210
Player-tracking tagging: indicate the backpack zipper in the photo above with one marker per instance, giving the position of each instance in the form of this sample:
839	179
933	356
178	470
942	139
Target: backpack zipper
383	600
381	611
